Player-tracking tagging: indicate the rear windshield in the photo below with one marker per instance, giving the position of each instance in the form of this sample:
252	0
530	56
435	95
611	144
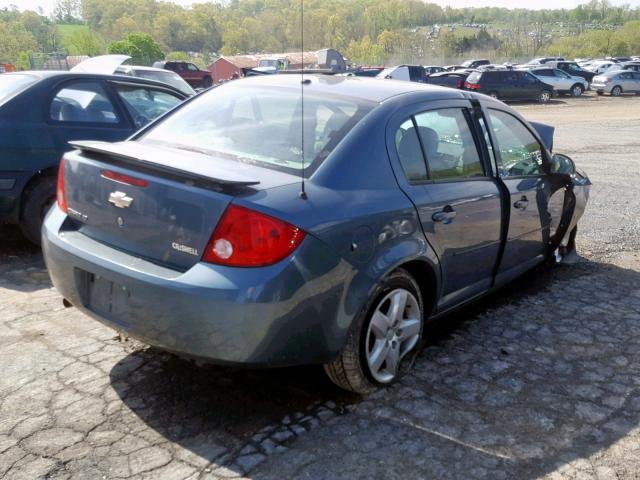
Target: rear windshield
262	126
474	77
10	84
166	77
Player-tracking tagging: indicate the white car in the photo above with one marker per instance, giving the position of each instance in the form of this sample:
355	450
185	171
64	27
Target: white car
600	66
561	81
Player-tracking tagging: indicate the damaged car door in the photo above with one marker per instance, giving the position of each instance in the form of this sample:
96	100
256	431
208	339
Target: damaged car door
540	202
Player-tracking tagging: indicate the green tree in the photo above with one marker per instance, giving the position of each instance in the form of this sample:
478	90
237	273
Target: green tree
67	11
84	42
141	47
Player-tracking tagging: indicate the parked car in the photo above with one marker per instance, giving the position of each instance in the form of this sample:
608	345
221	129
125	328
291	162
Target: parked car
635	66
157	74
365	72
198	236
411	73
453	68
572	68
448	79
619	59
509	85
431	69
616	82
562	82
40	112
600	66
543	60
475	63
190	72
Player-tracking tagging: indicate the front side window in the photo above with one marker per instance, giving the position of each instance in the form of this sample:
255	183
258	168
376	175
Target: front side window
83	101
192	67
261	126
528	78
519	153
448	144
145	104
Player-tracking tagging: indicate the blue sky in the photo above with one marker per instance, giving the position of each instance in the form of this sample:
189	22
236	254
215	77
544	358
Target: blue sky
48	5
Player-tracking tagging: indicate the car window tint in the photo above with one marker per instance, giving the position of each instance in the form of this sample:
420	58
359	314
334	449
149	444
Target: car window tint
192	67
410	152
146	104
528	78
82	101
519	151
448	144
262	126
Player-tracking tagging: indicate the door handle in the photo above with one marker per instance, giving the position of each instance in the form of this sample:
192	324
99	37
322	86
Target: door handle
522	203
445	216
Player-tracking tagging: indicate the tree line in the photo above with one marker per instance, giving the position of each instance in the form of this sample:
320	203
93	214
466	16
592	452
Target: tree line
366	31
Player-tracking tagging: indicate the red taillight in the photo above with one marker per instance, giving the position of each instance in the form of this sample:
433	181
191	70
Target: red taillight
472	86
61	198
245	238
121	178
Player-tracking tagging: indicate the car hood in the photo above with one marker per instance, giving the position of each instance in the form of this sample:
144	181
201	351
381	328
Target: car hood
103	64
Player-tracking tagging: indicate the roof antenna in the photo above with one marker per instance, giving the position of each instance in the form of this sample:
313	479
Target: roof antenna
303	193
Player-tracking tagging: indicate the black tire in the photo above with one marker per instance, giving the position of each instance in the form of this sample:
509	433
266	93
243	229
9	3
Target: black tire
544	97
207	82
577	90
36	201
350	370
616	91
599	93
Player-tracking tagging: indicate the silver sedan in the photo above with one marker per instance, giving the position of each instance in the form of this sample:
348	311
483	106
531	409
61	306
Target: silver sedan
616	82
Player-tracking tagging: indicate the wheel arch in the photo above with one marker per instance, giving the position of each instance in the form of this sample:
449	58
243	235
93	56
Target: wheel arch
29	185
425	276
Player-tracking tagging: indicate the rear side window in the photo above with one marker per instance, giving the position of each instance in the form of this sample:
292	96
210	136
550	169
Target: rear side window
410	152
14	83
448	144
83	101
145	104
262	126
519	153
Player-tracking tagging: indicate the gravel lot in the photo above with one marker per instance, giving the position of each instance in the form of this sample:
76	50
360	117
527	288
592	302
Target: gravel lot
539	380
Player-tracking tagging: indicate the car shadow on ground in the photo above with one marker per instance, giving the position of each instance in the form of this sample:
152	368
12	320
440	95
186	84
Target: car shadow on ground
21	265
534	376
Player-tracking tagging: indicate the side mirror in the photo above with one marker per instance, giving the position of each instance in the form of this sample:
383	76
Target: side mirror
562	164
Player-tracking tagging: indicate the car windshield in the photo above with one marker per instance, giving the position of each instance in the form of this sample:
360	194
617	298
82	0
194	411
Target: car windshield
261	126
10	84
467	63
167	77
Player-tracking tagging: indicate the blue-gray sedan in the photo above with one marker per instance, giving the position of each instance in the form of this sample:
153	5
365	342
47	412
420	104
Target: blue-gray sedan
285	220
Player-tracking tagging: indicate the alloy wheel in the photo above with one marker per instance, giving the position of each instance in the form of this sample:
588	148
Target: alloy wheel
393	331
544	97
577	91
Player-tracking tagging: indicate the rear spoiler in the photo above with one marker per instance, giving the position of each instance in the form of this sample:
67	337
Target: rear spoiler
162	162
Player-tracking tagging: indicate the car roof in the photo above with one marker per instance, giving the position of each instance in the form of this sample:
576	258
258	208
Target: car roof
64	75
146	69
362	88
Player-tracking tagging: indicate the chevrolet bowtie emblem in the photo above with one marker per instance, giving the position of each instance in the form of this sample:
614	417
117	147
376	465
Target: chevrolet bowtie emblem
120	199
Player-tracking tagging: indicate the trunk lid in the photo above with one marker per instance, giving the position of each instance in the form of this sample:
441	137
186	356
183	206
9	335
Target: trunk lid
158	203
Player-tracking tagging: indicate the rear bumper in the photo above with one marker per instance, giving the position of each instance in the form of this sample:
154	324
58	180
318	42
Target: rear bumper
289	313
